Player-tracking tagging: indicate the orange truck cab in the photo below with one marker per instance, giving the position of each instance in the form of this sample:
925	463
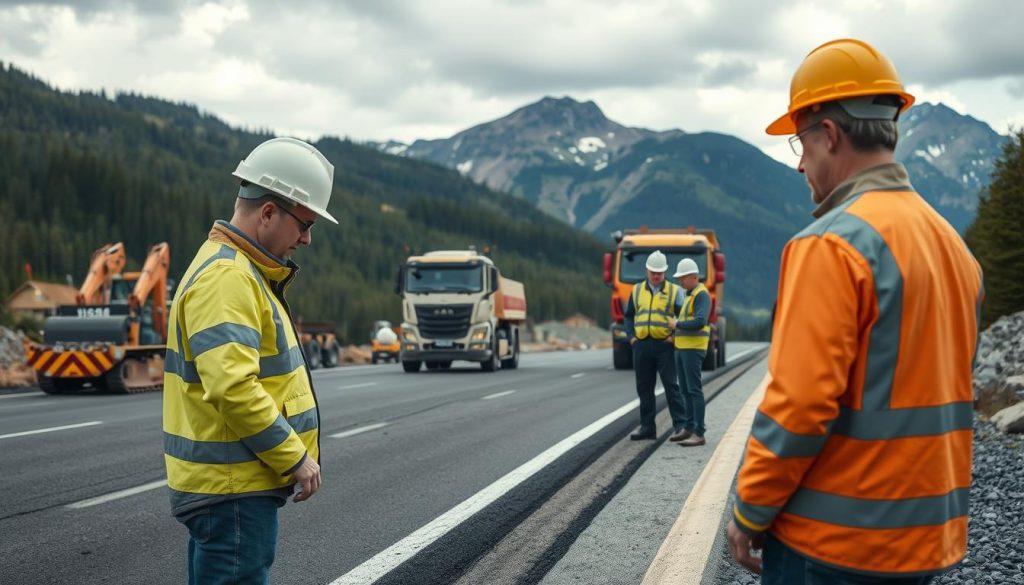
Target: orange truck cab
625	266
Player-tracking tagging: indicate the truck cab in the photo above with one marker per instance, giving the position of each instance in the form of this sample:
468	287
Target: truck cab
457	306
625	266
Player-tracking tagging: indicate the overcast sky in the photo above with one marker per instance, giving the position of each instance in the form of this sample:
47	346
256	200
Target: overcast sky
379	69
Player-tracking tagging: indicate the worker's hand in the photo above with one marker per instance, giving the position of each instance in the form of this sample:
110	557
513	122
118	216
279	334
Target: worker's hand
740	543
308	476
632	340
672	321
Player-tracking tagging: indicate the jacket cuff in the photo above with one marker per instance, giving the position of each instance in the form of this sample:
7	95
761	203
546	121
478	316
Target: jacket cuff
292	469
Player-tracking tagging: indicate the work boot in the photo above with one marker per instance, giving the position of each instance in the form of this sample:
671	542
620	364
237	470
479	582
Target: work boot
680	436
692	441
643	434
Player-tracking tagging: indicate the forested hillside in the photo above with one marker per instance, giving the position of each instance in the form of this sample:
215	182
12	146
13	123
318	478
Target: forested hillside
81	169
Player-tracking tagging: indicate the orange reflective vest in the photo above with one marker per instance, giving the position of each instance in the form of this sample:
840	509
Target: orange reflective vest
860	452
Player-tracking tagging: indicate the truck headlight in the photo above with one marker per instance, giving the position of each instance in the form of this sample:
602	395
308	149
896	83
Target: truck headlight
408	334
479	334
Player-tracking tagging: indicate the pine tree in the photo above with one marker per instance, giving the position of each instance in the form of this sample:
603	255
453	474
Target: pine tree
997	234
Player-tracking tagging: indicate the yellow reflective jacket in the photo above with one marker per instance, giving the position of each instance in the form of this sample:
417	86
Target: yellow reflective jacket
239	410
700	338
653	310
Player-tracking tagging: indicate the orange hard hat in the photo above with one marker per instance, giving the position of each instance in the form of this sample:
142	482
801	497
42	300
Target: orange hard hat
837	70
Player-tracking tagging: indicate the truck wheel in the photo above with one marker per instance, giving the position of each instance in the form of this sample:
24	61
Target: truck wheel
312	351
330	355
411	366
622	356
491	364
374	359
721	342
444	365
710	359
513	361
432	366
52	385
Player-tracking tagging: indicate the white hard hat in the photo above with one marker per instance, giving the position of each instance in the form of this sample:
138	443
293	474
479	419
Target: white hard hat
386	336
290	169
657	262
686	266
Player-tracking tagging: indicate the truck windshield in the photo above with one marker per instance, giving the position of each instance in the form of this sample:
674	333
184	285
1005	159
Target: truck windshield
444	278
632	262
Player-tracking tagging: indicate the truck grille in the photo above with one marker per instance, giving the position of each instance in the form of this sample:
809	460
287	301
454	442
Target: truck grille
444	321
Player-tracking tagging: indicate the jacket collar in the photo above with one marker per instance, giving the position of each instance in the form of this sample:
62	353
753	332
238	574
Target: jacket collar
884	177
272	267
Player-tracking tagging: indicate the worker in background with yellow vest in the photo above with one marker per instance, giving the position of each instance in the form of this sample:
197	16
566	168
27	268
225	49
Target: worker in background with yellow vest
241	423
858	466
651	304
692	334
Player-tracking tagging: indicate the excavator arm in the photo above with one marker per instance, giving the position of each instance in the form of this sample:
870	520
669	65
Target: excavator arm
153	282
107	262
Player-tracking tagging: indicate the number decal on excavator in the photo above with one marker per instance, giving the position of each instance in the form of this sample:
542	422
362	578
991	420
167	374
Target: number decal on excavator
93	312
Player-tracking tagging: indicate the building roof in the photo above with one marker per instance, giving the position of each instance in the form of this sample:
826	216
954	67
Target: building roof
35	295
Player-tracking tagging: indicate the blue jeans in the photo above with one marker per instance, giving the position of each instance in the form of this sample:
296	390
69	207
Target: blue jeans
783	566
688	366
233	542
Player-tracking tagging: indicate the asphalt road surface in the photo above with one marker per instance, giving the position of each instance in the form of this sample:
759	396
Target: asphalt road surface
440	463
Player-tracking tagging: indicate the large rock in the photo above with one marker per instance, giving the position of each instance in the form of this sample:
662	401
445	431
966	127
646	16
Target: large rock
13	370
1011	419
999	369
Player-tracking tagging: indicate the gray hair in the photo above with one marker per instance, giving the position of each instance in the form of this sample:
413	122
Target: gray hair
865	134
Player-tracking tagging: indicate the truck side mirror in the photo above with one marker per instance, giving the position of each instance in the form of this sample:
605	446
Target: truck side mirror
398	281
494	280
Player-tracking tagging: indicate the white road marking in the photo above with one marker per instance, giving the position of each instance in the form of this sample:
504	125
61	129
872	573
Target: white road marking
117	495
52	429
354	386
20	395
358	430
498	395
574	376
730	358
385	561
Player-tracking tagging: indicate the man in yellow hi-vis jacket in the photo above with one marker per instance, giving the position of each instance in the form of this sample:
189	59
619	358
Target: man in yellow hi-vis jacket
241	425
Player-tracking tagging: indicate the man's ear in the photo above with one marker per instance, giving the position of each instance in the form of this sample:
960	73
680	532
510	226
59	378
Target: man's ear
267	211
833	133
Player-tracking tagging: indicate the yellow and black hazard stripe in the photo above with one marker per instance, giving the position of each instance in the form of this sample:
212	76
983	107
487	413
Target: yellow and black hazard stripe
70	363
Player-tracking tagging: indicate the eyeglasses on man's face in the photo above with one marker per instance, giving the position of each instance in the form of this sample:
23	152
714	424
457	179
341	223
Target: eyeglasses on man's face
794	141
304	226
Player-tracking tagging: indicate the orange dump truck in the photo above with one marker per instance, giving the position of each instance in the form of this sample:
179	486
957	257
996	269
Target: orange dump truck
456	305
625	266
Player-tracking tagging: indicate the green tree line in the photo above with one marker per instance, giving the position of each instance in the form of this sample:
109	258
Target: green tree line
82	169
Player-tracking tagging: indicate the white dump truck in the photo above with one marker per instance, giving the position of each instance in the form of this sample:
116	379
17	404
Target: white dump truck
456	305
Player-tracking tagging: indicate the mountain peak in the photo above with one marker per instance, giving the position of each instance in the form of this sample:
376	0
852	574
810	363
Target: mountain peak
565	113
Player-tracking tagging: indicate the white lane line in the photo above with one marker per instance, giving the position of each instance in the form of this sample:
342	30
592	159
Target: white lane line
385	561
574	376
358	430
20	395
117	495
52	429
741	354
498	395
354	386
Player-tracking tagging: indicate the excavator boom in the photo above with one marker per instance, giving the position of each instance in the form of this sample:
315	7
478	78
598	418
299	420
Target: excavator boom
153	281
106	262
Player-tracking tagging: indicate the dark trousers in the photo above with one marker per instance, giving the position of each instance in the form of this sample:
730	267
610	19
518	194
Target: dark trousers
783	566
233	542
651	359
688	365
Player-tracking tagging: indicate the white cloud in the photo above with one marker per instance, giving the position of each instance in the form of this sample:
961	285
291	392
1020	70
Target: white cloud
406	69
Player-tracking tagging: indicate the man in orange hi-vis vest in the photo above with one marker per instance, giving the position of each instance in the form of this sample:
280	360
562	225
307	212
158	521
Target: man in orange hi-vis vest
858	466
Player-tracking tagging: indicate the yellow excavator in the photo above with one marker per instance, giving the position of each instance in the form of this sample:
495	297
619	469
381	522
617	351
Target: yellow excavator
114	338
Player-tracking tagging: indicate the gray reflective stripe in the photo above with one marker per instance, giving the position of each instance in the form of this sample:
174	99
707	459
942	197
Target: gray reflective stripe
761	515
304	421
884	340
270	437
701	333
220	452
175	364
878	514
282	363
218	335
225	252
882	425
282	341
784	443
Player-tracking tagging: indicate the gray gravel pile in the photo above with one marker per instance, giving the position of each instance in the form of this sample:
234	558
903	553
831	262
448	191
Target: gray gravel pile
999	369
995	547
11	349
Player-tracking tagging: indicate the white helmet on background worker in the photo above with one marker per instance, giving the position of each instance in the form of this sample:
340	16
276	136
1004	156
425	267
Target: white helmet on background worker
657	262
290	169
686	266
